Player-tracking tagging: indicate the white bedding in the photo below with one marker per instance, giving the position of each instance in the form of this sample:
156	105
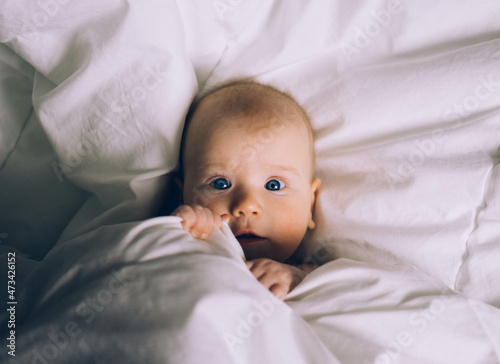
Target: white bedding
404	99
149	292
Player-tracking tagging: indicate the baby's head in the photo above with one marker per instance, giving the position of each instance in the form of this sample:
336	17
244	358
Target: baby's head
248	152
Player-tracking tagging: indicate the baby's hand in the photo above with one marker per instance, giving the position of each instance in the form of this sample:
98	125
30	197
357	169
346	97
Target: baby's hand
199	220
279	278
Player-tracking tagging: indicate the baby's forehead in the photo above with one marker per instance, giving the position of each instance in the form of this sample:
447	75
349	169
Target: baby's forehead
259	139
253	109
237	147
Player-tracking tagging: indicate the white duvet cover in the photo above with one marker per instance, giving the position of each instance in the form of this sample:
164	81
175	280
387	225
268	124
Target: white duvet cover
150	293
404	99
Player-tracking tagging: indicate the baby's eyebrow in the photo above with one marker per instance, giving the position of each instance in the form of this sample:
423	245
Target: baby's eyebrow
226	166
285	168
212	165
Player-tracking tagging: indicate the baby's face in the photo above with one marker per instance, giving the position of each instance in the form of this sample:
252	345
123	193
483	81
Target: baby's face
261	178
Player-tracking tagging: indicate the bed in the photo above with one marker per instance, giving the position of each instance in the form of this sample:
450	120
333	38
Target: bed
404	100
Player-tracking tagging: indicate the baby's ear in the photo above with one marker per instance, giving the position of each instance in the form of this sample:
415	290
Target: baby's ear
315	185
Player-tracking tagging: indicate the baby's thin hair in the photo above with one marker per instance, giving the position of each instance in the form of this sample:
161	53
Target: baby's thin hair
239	103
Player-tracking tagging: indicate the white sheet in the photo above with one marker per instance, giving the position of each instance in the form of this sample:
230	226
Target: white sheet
373	313
404	101
149	292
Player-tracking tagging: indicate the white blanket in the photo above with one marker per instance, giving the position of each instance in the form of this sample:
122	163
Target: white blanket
404	99
149	292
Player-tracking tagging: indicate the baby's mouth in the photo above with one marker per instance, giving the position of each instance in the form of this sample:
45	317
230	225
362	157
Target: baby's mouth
249	239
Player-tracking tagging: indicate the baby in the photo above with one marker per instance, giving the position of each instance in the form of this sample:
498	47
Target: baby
248	159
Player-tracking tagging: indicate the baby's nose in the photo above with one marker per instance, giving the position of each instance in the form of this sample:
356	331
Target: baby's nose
247	206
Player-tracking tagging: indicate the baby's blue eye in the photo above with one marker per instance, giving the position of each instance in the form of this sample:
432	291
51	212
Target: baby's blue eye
274	185
220	184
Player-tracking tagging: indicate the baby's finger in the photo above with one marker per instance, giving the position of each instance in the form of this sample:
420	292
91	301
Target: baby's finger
258	266
205	223
251	267
198	226
279	291
225	218
187	215
217	220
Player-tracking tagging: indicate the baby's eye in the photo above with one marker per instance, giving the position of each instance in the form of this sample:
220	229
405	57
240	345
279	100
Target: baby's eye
274	185
220	184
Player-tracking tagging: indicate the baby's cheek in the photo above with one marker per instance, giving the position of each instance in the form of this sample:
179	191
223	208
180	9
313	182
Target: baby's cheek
292	225
196	196
296	213
216	205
